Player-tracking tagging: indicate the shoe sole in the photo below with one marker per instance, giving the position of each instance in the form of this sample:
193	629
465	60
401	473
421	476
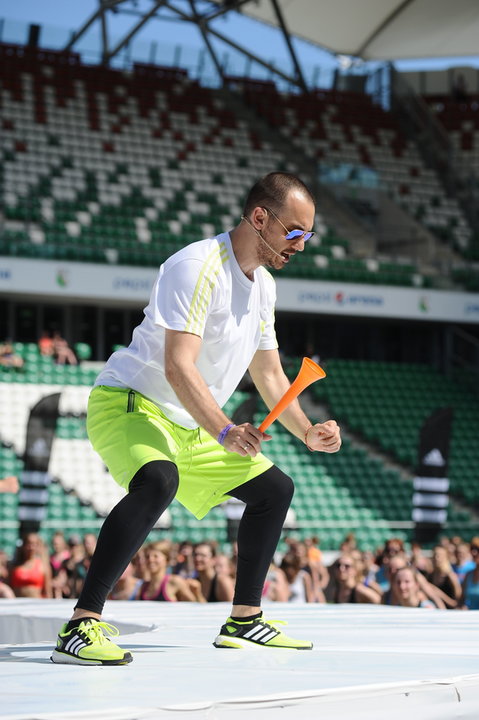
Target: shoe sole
223	641
60	658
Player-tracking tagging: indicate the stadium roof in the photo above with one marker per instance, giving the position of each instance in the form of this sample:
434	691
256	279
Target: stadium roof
368	29
377	29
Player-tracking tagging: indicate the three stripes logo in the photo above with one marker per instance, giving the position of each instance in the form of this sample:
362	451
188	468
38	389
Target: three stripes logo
75	644
261	634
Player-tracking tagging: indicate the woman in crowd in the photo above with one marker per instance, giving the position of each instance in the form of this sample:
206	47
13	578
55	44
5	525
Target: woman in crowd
392	548
31	574
215	586
161	585
184	565
300	584
276	587
128	585
348	585
60	554
444	578
470	586
406	590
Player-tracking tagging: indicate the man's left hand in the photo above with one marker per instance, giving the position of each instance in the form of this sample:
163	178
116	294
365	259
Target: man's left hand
324	437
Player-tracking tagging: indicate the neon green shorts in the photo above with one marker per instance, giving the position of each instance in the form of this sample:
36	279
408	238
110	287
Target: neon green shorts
127	430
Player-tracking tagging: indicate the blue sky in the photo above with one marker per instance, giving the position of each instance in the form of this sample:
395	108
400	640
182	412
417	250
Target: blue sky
167	39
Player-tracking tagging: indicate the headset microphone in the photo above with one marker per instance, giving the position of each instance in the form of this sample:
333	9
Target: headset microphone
261	237
269	246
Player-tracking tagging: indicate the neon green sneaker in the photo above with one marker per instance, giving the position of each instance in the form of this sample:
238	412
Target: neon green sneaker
257	634
87	645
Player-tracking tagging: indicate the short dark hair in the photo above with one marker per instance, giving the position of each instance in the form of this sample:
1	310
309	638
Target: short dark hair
272	190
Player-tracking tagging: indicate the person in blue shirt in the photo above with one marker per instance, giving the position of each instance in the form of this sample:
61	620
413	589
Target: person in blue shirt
470	586
464	562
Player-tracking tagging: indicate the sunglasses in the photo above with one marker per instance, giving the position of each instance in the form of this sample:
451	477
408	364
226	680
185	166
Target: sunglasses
291	234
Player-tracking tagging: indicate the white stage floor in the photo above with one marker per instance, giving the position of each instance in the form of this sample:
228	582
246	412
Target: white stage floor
367	662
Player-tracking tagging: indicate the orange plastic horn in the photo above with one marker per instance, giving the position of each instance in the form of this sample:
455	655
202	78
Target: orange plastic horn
308	373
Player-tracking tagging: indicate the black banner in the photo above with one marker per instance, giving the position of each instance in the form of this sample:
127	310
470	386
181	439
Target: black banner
431	484
35	480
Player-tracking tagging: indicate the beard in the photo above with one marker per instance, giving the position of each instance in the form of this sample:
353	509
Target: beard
266	257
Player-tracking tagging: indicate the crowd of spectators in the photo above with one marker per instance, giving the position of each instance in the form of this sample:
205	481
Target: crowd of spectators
50	344
446	578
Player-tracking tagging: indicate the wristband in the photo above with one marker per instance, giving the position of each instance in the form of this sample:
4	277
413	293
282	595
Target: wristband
222	436
306	439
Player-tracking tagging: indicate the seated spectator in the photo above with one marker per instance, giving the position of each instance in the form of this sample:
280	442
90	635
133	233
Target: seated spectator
316	570
463	561
428	590
4	572
184	565
370	569
9	484
6	592
300	585
139	564
8	357
62	352
81	567
30	574
60	551
392	548
45	344
419	561
406	590
127	586
57	558
163	586
68	570
276	586
444	578
396	563
312	547
347	584
215	586
470	585
224	565
348	544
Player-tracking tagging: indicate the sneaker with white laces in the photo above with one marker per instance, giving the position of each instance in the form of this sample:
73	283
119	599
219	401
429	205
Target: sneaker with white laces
87	644
258	633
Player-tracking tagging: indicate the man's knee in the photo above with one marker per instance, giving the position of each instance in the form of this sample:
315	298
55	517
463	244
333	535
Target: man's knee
157	481
272	488
284	489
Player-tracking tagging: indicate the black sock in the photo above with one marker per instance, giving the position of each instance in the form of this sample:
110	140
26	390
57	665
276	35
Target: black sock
249	618
75	623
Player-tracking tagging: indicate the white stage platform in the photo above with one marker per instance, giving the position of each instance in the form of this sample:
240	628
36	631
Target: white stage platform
367	662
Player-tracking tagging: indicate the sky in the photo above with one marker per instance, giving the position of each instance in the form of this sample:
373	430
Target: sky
176	42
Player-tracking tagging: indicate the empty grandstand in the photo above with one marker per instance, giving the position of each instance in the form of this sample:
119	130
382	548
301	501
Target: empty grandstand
106	172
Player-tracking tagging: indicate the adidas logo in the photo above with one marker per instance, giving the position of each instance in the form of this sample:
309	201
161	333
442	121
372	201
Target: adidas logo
75	644
434	458
260	634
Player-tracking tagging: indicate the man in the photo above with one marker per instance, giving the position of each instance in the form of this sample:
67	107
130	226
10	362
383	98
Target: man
155	414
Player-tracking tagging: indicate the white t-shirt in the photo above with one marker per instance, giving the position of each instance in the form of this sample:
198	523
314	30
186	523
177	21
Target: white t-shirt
202	290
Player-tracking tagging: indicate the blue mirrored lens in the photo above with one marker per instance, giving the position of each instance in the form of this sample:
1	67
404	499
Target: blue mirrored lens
298	233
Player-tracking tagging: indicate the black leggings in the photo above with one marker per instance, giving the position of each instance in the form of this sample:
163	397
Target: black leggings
152	489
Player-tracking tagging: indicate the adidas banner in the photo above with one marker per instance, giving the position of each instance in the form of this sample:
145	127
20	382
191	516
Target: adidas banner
35	479
430	498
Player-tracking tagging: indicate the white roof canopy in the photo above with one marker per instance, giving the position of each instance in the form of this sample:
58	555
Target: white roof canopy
379	29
